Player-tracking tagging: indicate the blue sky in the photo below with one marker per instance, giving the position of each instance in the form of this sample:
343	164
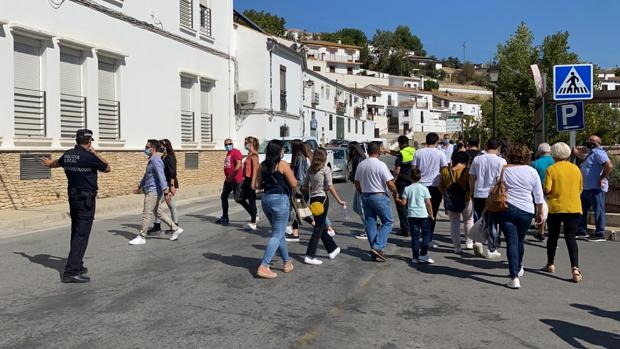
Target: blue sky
443	26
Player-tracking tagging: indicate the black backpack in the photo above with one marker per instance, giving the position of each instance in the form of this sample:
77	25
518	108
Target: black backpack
454	196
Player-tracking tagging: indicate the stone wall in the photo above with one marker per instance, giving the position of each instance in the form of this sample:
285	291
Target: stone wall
127	170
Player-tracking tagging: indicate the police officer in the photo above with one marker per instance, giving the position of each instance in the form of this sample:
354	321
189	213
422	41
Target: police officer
81	165
402	173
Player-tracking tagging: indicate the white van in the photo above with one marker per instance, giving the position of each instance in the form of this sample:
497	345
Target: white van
288	141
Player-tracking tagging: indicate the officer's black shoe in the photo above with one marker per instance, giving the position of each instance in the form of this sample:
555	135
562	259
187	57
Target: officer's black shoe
222	221
155	229
75	279
83	271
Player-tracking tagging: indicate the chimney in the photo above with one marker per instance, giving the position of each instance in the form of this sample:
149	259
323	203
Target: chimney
339	42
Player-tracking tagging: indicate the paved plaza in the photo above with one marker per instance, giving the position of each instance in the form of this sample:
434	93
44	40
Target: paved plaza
201	292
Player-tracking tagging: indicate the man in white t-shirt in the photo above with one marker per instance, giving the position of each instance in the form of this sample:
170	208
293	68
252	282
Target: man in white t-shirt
374	180
430	161
447	147
483	172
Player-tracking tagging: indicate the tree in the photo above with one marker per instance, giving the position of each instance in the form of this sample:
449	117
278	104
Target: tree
272	24
430	85
350	36
452	62
467	73
391	50
403	38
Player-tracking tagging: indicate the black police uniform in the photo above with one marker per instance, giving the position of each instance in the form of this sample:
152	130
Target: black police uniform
81	168
403	181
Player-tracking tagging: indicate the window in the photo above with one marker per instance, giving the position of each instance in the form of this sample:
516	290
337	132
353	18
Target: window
187	115
350	70
316	68
29	100
327	91
186	13
283	106
421	117
348	125
389	99
72	103
356	126
406	112
350	99
205	18
206	119
332	69
191	161
109	106
331	122
363	127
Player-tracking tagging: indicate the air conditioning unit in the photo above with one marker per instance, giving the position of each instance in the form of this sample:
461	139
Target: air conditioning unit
315	98
247	97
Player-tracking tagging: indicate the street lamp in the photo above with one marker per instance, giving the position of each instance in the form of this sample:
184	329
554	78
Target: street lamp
494	76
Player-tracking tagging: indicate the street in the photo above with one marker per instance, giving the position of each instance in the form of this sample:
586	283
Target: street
201	292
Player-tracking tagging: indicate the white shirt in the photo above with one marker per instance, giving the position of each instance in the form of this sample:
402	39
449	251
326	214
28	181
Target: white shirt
448	149
430	161
523	187
486	168
373	175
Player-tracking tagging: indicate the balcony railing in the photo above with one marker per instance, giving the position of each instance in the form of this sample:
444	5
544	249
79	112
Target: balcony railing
29	112
340	58
205	20
72	114
283	105
341	108
187	126
186	13
206	128
357	112
109	119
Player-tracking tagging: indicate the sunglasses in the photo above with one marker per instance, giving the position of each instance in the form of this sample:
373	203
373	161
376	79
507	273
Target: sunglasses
228	144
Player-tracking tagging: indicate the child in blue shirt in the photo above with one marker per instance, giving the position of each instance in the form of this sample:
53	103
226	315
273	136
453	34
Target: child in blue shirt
420	212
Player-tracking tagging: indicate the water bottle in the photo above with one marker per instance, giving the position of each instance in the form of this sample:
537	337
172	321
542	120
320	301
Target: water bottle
345	213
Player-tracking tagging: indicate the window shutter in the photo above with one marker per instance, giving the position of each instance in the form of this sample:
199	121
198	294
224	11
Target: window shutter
107	79
186	88
27	63
70	71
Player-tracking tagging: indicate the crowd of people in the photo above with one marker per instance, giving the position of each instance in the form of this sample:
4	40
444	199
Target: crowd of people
485	194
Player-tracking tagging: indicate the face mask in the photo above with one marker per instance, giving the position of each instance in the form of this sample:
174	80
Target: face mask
148	152
590	145
247	147
228	147
446	141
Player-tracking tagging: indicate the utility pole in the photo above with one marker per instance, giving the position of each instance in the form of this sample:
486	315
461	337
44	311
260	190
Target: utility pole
464	47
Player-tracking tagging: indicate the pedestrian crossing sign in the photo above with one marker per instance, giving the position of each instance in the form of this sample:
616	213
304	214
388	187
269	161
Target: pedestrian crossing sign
573	82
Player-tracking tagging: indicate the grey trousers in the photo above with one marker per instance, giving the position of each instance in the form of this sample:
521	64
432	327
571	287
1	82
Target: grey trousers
153	205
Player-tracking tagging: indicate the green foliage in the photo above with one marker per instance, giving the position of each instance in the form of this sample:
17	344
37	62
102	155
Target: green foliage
617	72
430	85
467	74
391	49
452	62
272	24
350	36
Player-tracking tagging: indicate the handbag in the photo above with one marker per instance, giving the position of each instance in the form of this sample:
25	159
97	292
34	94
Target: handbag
498	198
318	208
301	207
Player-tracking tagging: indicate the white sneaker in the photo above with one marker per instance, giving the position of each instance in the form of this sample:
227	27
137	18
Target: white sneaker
289	230
414	261
434	244
291	238
361	236
334	253
250	227
478	249
493	255
514	284
176	233
469	244
257	215
313	261
138	240
521	272
331	232
426	260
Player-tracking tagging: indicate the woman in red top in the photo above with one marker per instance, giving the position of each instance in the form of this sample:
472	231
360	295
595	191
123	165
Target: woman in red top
248	188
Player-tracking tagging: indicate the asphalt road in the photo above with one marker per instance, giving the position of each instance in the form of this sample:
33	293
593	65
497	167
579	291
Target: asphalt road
200	292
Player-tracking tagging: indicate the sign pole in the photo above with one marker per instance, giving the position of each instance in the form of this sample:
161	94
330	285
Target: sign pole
572	139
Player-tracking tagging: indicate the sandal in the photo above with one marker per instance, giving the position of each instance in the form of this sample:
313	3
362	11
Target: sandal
549	268
288	267
577	277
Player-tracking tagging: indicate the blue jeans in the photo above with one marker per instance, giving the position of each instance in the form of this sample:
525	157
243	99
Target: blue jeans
594	198
377	206
276	207
514	224
419	227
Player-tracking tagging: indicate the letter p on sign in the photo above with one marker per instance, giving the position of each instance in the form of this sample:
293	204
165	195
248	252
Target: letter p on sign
570	116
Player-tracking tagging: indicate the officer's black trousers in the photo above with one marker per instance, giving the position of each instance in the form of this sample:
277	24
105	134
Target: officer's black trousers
402	210
82	207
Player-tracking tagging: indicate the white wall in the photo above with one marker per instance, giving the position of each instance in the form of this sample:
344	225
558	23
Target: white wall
149	75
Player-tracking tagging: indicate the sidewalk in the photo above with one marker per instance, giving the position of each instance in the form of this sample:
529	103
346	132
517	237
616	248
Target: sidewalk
29	220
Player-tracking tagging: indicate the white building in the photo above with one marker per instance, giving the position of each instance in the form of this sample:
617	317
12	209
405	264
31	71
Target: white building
329	57
333	111
127	70
269	89
456	105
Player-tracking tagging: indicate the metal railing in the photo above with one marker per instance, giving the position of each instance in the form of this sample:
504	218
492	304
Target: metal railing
206	128
187	126
283	103
340	58
29	112
109	119
72	114
205	20
186	13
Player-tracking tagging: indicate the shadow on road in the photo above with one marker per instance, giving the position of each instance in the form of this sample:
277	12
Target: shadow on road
46	260
549	275
248	263
477	262
570	333
614	315
461	274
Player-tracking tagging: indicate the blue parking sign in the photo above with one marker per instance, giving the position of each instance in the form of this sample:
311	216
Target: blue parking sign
570	116
573	82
